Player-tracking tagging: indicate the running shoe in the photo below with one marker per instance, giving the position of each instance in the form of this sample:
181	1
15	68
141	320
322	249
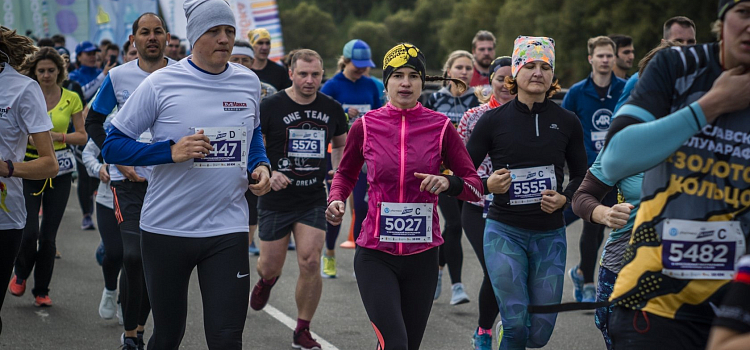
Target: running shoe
58	255
481	342
87	223
328	266
304	340
108	304
261	293
589	293
17	286
130	343
577	283
42	300
439	288
252	249
100	253
141	343
291	245
459	295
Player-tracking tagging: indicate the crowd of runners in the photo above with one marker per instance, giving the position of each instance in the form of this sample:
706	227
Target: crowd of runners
180	159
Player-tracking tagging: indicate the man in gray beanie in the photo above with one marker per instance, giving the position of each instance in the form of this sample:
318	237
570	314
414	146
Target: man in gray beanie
204	116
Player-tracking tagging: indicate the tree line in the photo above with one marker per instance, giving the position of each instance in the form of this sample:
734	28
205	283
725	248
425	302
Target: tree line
438	27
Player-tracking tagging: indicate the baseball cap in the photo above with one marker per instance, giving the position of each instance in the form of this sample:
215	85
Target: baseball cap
86	46
359	52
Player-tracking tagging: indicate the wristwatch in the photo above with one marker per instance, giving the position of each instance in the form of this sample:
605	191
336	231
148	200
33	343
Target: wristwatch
265	164
10	167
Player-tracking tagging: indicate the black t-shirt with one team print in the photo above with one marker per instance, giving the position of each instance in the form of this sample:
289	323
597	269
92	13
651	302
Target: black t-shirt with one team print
297	138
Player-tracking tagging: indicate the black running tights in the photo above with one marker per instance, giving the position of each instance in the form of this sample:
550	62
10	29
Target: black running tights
451	252
397	294
223	274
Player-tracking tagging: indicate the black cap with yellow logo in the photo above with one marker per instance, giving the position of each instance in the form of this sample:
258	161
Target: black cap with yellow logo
725	5
404	55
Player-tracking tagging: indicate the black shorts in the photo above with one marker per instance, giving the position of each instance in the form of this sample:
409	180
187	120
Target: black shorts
128	199
274	225
636	330
252	204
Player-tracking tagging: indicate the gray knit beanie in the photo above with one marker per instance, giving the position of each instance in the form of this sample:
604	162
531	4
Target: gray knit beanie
203	15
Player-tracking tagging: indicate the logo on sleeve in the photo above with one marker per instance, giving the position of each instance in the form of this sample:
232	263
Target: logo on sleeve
234	106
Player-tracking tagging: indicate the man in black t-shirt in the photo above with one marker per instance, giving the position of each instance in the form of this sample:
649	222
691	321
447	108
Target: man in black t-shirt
297	124
268	71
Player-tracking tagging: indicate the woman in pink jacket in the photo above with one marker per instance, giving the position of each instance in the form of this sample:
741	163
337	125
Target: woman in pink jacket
403	144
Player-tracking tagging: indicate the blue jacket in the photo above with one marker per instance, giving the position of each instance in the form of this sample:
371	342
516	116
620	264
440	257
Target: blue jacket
595	113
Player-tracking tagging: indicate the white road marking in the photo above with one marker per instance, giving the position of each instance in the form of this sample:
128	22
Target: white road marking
289	322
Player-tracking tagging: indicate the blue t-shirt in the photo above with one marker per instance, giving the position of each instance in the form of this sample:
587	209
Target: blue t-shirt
361	94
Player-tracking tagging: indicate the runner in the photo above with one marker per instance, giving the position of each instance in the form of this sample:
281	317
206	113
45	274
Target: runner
268	71
472	216
297	124
129	184
529	140
685	241
587	203
38	248
593	100
396	255
22	115
483	50
453	102
189	219
358	94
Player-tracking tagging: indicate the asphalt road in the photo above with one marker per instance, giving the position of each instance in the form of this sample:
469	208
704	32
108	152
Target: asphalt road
74	323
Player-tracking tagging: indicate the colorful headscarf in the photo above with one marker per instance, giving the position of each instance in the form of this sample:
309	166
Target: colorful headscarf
532	48
404	55
257	34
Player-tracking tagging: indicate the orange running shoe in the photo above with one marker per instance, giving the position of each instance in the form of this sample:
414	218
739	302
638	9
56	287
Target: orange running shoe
42	300
17	286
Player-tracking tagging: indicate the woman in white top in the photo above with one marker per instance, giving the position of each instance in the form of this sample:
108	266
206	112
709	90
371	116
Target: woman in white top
22	114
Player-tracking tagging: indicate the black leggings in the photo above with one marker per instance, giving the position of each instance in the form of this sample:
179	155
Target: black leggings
592	236
128	199
223	273
451	252
10	241
110	234
38	244
397	294
87	186
473	222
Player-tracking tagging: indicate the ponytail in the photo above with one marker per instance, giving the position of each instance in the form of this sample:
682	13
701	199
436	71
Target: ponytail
459	83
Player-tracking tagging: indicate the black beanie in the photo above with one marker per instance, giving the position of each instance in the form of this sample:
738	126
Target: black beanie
404	55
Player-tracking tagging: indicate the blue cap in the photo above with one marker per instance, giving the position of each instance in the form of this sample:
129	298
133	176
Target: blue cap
359	52
86	46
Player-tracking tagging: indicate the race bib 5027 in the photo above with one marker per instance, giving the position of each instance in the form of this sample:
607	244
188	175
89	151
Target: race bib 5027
406	222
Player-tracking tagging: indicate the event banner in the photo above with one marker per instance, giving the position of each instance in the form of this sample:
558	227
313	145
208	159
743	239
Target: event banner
249	14
95	20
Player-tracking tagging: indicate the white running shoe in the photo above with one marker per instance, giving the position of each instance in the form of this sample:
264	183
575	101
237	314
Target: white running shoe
459	295
108	305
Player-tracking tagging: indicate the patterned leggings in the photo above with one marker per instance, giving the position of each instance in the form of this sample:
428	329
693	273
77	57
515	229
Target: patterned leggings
526	267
